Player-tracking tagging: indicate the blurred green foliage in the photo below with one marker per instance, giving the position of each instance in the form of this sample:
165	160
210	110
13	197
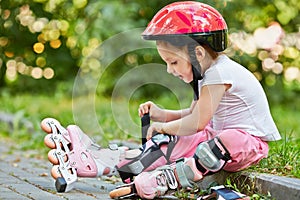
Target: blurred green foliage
44	43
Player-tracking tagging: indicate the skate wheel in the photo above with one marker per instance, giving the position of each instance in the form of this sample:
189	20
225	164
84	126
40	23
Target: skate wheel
44	125
55	173
119	192
53	159
48	141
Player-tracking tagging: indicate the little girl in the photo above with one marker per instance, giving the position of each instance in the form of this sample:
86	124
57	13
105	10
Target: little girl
227	126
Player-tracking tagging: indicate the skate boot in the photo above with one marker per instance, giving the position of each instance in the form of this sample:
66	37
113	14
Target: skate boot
183	174
150	185
74	155
147	185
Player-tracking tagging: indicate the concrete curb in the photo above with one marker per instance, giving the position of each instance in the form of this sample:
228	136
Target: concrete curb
279	187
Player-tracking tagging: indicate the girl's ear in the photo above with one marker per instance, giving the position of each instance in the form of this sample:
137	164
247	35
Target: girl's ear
200	53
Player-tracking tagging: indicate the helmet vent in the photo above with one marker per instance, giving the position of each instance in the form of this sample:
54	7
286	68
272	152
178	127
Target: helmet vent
160	16
184	18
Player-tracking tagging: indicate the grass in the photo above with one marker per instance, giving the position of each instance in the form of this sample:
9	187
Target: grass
283	159
118	119
284	155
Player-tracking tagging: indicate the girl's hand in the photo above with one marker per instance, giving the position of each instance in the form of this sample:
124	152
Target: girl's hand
155	127
156	113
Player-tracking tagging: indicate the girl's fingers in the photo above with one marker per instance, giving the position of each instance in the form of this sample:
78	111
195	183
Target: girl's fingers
143	109
149	136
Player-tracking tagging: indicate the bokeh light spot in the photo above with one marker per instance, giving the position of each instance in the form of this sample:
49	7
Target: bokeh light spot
3	41
48	73
79	3
9	54
38	47
291	73
21	67
41	61
277	68
55	44
268	64
37	73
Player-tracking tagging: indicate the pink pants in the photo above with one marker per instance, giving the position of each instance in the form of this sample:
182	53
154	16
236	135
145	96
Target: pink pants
244	149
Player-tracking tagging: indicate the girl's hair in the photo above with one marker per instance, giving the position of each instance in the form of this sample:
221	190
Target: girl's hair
210	51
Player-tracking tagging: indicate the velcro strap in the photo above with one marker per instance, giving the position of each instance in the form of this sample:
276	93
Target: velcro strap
145	161
217	151
151	153
184	182
201	168
138	165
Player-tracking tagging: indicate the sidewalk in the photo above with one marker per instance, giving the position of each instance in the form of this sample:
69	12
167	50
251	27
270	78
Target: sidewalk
24	175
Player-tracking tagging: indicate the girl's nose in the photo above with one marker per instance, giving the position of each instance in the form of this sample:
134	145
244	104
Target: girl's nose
170	70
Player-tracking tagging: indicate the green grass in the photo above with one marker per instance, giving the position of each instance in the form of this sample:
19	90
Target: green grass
284	155
118	119
283	159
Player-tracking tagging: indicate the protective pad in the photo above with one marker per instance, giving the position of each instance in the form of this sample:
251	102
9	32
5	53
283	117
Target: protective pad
211	156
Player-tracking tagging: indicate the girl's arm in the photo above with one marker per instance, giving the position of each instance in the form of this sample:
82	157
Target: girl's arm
164	115
200	116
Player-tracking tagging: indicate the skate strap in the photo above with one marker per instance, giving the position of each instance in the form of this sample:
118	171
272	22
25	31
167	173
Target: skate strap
145	161
137	165
151	152
211	156
221	154
145	121
181	174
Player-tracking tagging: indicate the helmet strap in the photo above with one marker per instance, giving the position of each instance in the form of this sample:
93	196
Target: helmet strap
196	69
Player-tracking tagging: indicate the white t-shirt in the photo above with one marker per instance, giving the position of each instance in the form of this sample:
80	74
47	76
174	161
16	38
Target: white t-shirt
244	105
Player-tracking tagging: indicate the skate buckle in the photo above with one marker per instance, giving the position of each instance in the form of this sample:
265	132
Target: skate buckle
113	147
171	179
69	174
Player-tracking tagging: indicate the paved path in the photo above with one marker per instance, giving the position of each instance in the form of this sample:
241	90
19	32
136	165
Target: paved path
23	175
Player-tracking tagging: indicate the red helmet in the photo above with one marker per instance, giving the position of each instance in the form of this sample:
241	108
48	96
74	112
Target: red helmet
196	20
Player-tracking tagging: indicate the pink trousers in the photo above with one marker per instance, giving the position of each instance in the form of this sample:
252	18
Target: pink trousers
244	149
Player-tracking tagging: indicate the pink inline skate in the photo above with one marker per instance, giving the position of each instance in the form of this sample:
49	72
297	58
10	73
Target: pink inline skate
74	155
162	182
156	183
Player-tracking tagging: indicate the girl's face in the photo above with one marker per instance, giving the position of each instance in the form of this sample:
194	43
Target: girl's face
177	60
